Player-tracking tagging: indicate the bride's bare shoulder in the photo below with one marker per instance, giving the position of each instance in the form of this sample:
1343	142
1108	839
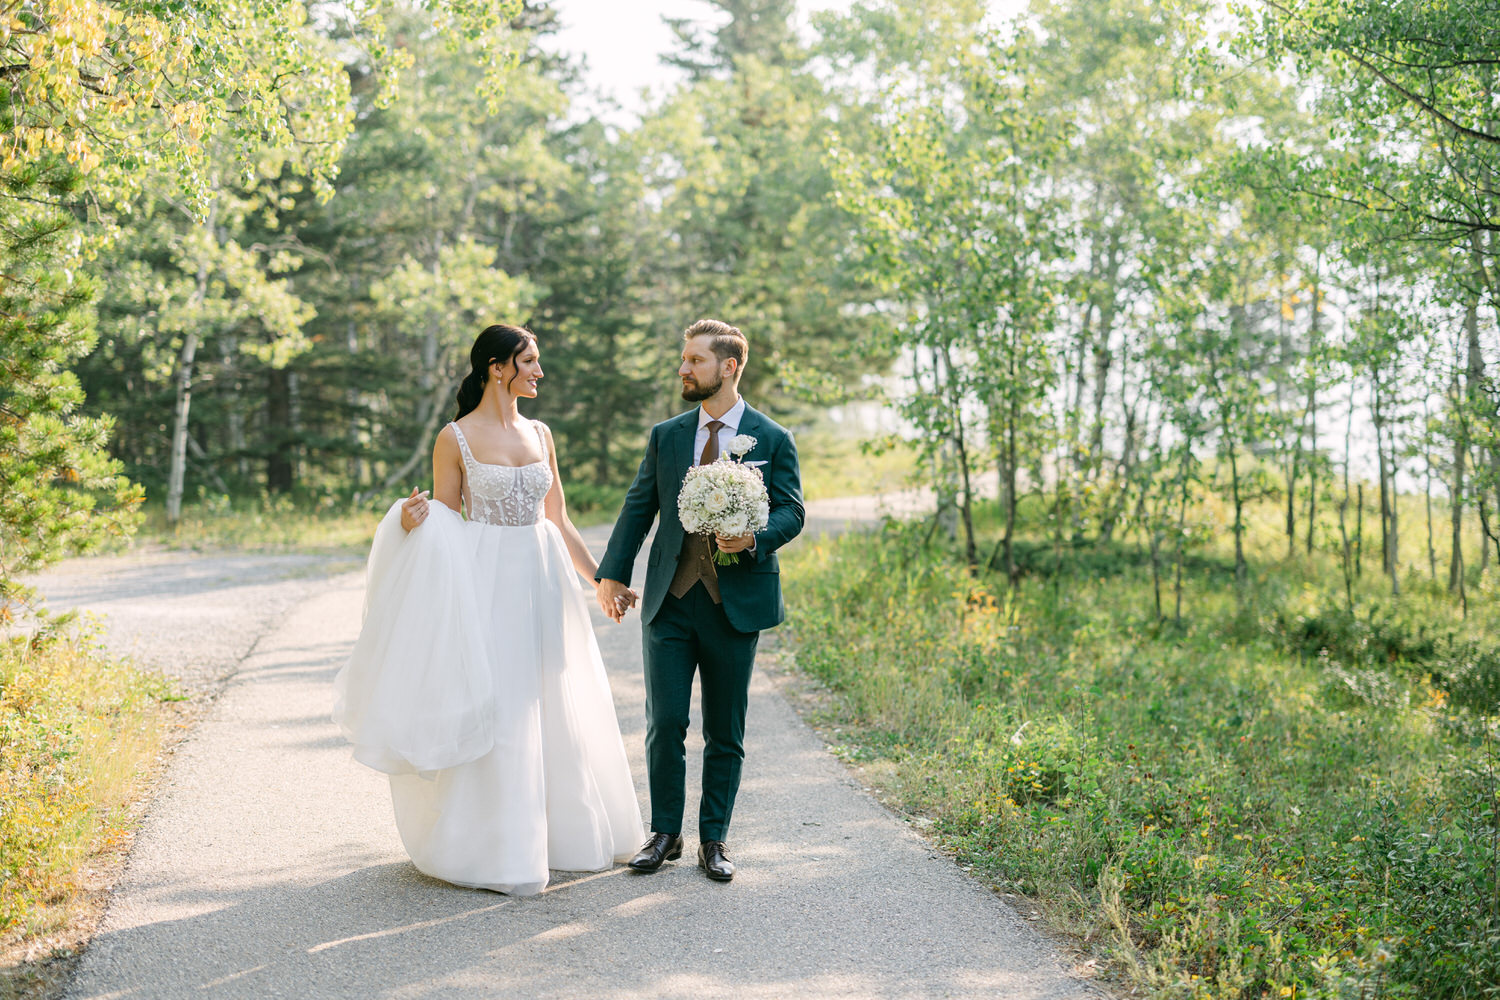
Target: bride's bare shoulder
447	442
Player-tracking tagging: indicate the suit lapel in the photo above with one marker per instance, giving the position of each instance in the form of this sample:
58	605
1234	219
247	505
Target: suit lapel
682	443
750	423
687	430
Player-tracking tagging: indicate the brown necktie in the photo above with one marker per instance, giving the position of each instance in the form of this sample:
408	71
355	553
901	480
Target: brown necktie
711	446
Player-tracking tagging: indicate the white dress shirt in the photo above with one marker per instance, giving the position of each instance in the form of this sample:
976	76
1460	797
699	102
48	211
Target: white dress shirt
731	421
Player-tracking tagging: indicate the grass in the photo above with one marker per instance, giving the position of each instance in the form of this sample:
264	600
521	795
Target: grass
265	523
78	733
833	465
1277	799
275	523
837	465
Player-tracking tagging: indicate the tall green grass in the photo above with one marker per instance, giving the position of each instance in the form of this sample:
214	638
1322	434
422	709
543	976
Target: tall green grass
78	732
1277	799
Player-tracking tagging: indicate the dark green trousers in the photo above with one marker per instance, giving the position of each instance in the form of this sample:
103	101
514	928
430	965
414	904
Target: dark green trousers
691	635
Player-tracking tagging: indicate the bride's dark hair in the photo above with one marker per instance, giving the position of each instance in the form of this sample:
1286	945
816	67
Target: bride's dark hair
501	342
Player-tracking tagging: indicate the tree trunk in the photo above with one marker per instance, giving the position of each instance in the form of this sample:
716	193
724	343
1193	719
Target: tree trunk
1057	528
1484	529
1240	569
1104	356
1394	555
1073	432
1343	509
1359	530
183	387
1431	547
1182	503
1156	569
234	424
279	471
1316	338
1010	495
1294	460
1291	497
1470	406
961	449
1483	508
1456	500
356	456
1387	501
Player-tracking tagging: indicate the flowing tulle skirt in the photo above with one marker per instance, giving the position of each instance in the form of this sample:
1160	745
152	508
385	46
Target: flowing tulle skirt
494	717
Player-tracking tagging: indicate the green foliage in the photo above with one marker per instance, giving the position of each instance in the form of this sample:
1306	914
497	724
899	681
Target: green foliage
1254	806
77	734
59	490
109	103
1406	91
956	225
744	224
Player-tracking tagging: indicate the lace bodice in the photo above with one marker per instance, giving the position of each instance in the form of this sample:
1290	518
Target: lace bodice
504	494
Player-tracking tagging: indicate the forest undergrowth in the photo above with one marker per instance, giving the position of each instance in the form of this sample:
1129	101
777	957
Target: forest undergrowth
1277	796
79	731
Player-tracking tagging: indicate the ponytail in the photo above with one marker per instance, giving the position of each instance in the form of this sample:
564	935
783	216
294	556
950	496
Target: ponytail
501	342
470	392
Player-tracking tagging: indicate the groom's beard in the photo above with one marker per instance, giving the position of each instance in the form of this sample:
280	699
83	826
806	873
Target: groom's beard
695	392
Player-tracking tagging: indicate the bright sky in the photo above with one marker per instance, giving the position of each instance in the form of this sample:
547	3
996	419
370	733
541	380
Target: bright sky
623	39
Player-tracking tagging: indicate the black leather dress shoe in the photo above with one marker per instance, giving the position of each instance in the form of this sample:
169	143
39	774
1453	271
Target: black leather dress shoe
658	848
713	857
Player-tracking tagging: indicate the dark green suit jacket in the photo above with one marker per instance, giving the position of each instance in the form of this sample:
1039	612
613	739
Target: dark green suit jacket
750	588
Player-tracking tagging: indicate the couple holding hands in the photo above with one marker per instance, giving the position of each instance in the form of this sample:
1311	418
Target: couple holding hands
476	682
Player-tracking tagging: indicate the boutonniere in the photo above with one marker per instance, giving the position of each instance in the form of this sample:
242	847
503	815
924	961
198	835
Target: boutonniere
740	445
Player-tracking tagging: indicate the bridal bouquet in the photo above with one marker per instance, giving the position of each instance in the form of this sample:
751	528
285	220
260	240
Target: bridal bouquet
725	498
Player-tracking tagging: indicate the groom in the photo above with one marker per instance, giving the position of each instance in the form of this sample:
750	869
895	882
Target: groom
699	617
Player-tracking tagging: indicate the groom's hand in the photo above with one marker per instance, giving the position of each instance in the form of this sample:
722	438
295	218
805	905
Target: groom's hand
615	598
738	543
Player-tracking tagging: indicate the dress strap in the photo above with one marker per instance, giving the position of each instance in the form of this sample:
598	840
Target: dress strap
541	434
463	444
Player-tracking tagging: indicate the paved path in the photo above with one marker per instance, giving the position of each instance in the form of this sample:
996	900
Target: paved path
269	866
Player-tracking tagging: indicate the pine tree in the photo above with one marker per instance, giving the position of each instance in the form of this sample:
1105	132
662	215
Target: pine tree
60	492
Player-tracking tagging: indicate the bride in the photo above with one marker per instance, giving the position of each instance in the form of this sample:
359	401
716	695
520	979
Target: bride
476	682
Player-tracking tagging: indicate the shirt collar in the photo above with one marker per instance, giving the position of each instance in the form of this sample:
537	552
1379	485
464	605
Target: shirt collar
731	420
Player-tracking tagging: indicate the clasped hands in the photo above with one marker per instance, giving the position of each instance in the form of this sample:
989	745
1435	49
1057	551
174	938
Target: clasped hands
615	598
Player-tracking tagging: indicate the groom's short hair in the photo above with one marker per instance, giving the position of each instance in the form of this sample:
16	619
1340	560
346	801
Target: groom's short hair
726	341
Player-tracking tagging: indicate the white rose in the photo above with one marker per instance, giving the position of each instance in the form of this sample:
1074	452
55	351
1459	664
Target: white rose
735	526
741	444
716	501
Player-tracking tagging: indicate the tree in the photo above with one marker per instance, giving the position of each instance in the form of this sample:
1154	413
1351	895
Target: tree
955	232
102	102
1407	89
748	230
59	490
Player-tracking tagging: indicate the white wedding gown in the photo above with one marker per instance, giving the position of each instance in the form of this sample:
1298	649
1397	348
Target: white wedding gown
477	685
